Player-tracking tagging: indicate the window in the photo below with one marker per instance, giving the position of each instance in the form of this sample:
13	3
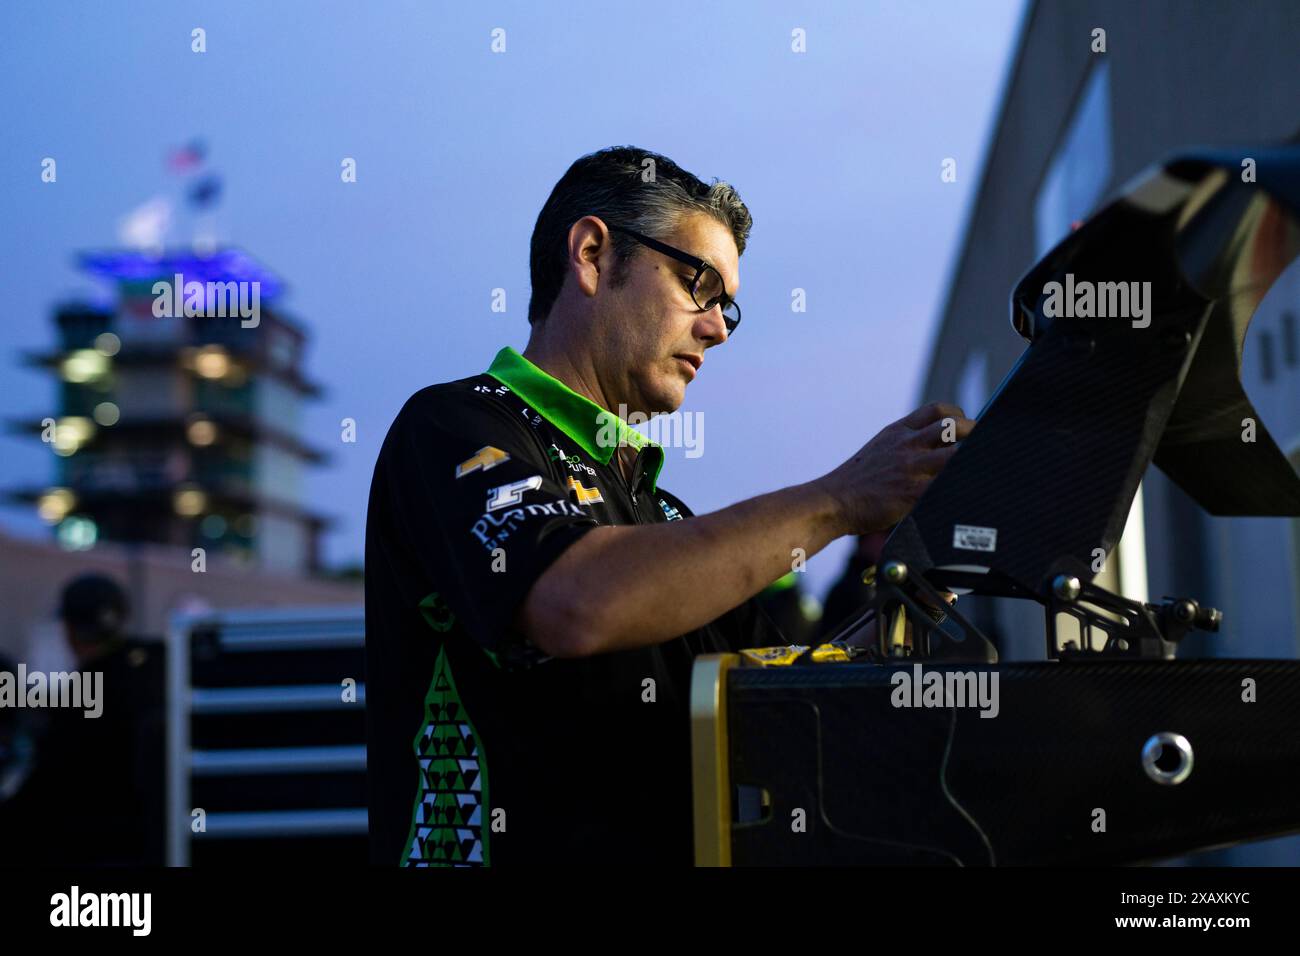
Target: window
1294	458
1080	170
972	392
1266	355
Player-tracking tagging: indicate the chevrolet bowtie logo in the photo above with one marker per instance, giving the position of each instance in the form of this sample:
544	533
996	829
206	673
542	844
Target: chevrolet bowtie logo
586	496
485	458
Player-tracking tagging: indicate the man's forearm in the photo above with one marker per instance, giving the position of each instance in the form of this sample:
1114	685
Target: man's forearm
625	586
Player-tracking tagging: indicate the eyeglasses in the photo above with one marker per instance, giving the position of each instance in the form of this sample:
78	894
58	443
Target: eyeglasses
706	288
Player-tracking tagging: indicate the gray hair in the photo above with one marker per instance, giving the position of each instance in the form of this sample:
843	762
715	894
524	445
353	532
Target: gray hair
625	186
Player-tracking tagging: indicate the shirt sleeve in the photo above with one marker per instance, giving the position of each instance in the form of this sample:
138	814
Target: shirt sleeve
480	510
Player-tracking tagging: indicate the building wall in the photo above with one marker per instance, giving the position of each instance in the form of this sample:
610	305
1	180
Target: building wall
1180	75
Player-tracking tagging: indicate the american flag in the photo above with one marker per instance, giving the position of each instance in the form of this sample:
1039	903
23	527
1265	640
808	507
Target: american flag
188	158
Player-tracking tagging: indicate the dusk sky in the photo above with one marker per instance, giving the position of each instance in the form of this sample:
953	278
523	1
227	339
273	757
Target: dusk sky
837	151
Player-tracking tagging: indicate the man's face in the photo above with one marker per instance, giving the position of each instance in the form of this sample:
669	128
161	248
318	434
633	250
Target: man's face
652	332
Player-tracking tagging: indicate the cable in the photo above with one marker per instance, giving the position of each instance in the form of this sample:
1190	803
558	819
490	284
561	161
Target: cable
943	784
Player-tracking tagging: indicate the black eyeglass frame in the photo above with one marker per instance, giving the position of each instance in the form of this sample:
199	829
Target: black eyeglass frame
700	267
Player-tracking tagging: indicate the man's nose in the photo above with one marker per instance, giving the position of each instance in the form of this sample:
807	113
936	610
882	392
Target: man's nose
712	327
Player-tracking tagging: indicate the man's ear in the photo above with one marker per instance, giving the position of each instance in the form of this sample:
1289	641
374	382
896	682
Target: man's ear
590	252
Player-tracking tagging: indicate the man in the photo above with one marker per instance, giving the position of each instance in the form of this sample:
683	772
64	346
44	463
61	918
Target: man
534	596
96	794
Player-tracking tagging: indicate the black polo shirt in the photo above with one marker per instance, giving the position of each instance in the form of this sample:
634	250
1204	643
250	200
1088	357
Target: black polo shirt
481	750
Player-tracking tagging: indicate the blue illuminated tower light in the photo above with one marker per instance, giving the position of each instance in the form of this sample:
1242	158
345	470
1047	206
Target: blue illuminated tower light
180	430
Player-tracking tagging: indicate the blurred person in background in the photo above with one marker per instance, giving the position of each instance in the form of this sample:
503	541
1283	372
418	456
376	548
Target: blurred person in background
95	794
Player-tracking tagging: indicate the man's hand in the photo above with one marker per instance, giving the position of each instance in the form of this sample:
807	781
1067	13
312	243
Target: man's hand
879	485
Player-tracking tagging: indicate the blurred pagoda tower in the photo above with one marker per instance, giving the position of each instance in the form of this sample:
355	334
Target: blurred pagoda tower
180	429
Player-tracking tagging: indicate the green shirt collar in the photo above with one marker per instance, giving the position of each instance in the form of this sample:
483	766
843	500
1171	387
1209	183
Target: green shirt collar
597	430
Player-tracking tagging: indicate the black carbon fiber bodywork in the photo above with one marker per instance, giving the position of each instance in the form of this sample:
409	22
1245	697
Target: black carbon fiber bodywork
1050	473
1066	742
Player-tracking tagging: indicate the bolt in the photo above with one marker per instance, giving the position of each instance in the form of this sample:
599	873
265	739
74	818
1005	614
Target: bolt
895	572
1066	587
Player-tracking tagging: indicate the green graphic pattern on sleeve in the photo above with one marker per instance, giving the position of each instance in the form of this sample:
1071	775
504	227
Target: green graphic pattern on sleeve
447	819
